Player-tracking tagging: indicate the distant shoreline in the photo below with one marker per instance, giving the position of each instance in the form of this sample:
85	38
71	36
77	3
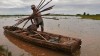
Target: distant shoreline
42	15
95	17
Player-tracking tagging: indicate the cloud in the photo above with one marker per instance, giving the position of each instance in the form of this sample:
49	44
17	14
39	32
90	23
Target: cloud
18	3
77	6
10	3
62	6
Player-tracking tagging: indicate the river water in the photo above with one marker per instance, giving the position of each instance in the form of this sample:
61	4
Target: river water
87	30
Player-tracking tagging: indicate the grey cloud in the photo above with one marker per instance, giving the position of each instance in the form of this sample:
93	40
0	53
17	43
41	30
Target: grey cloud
62	6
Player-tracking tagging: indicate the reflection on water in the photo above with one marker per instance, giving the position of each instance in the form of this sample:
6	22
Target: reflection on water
85	29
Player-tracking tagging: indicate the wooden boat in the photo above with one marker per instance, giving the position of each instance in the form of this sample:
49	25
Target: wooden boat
51	41
37	50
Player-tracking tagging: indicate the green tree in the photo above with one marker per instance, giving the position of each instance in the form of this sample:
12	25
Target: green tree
84	13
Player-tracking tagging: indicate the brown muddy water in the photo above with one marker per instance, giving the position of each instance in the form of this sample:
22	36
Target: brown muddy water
86	29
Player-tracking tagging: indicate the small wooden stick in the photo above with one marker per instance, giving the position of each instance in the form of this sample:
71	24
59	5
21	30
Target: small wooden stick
41	36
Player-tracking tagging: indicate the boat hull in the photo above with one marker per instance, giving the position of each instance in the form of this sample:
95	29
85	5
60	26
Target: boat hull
68	48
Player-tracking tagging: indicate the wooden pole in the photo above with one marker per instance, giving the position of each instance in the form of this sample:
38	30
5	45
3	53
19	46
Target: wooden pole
31	21
40	4
19	22
49	8
25	23
45	4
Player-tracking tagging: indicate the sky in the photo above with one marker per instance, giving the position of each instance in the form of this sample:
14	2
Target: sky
61	6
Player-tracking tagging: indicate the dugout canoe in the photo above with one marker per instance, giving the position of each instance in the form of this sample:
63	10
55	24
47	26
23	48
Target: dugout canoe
53	41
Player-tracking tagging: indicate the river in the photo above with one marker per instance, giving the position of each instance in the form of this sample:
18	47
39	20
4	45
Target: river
87	30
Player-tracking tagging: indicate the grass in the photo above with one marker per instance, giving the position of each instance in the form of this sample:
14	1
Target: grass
1	48
4	52
94	17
